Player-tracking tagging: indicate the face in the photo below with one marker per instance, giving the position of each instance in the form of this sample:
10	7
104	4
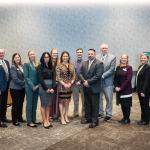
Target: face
17	59
124	59
46	58
54	54
143	59
32	55
79	54
65	58
104	49
2	53
91	55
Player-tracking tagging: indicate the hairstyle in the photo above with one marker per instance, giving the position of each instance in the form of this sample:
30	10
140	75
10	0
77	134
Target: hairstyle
13	61
144	54
64	52
53	49
79	49
127	60
103	45
92	49
43	62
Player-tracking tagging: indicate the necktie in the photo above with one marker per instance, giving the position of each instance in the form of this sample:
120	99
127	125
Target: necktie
90	62
5	69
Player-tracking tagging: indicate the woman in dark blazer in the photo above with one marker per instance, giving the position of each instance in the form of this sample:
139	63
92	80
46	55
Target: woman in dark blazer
17	89
143	88
123	87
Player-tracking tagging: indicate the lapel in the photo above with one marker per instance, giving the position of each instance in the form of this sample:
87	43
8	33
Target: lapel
92	65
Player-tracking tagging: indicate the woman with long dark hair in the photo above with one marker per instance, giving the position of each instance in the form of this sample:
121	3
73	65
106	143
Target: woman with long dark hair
65	75
46	89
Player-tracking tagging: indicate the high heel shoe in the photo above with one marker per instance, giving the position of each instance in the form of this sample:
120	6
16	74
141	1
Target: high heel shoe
46	127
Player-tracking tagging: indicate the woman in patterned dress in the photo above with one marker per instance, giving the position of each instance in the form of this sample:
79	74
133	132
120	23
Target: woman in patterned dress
65	75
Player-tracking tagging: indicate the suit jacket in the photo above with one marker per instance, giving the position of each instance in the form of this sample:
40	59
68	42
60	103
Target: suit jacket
93	75
17	78
4	84
109	69
143	80
31	75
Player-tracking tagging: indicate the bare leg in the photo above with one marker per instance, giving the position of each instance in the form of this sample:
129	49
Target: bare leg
61	108
66	111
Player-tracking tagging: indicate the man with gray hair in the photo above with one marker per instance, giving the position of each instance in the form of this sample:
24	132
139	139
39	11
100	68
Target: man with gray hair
109	62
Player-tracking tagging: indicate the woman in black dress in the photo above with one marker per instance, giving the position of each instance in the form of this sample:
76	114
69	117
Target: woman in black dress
46	89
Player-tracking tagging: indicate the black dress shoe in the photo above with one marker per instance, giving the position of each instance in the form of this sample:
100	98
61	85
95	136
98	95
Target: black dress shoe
100	116
38	123
126	121
84	121
142	123
107	118
121	121
3	125
93	125
16	124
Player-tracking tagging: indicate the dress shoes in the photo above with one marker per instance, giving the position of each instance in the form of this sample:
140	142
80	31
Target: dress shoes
121	121
3	125
126	121
37	123
84	121
107	118
16	124
93	124
142	123
100	116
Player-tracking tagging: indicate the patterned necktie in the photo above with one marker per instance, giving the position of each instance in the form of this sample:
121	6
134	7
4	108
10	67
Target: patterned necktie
5	69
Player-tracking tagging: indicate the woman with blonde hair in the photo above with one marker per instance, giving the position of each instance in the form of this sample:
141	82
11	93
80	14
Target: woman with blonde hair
143	88
123	87
31	88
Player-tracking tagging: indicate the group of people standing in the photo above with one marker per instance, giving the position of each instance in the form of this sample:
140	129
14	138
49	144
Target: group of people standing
55	80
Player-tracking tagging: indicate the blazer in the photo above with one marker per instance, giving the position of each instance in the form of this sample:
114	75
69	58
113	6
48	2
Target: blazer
4	84
93	75
143	80
31	75
17	78
109	69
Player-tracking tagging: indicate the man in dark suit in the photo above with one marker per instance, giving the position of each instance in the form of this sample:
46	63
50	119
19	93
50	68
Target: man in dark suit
90	75
4	84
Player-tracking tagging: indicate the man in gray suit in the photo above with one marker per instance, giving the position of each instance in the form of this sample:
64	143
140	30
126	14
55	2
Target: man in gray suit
90	75
109	62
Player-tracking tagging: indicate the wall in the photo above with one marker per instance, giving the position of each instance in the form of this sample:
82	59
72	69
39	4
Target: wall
124	27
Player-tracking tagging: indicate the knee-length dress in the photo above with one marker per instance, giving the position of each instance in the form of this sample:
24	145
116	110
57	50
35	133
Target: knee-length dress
67	75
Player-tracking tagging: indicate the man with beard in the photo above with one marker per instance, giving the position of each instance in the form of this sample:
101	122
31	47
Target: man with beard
90	75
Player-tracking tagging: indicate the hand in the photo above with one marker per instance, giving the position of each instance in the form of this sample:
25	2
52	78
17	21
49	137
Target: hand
35	87
142	94
51	91
85	83
117	89
78	83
